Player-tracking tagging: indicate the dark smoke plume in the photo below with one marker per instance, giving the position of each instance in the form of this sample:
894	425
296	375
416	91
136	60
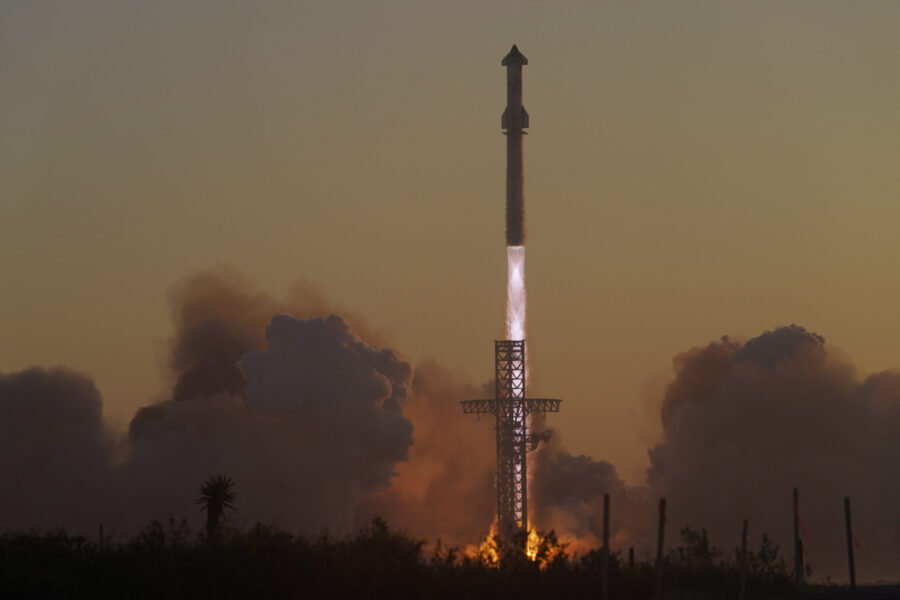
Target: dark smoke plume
319	424
567	493
219	316
302	413
745	423
54	449
446	490
310	420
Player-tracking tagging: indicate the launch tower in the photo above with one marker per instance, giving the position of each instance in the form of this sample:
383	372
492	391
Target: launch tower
511	409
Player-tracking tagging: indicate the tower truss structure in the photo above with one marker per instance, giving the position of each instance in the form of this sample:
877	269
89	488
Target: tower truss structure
511	409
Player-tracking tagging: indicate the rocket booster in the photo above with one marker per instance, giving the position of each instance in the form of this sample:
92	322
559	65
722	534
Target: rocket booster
514	122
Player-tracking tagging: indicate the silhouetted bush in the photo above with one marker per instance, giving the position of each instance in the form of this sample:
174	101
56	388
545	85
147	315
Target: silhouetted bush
167	560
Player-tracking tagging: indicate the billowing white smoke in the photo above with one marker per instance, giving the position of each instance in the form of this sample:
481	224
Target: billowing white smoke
515	293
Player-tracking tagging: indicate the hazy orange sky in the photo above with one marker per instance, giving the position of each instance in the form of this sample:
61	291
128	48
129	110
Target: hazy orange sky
693	169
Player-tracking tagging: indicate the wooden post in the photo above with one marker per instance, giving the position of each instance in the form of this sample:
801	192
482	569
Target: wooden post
742	590
631	557
850	547
658	594
605	594
102	573
798	545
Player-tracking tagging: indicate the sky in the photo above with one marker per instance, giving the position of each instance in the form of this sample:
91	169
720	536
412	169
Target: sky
693	170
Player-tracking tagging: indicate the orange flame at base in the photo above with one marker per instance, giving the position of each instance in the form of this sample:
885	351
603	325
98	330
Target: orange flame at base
539	549
488	551
532	545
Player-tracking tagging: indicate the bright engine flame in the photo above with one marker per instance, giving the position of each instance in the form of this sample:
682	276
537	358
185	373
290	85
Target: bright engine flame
515	293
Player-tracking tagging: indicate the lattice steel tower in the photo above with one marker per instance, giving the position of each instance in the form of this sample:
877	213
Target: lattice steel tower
511	408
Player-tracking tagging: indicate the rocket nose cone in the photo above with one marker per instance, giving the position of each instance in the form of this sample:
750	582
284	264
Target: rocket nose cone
514	58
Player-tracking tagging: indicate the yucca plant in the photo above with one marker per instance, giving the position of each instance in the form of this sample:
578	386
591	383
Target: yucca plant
216	495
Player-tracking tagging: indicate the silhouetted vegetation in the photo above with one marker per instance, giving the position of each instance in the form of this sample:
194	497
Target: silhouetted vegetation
167	560
216	495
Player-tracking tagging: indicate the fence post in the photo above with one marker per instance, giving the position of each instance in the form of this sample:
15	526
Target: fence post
658	594
742	590
798	545
605	594
850	547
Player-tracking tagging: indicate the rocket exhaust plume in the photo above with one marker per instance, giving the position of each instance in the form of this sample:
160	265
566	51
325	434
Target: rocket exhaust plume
515	293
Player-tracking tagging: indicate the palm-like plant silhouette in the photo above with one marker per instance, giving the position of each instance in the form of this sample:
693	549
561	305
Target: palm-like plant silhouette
216	494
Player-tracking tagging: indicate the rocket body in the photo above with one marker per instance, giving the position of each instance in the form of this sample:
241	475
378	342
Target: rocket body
514	122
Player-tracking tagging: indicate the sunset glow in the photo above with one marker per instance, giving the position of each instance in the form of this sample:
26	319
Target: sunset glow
260	243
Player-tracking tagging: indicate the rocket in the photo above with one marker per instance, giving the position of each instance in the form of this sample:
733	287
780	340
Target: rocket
514	122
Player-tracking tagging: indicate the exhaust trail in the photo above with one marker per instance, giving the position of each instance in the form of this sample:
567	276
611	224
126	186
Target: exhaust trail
515	293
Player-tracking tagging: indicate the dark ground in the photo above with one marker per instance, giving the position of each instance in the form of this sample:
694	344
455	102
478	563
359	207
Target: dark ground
167	561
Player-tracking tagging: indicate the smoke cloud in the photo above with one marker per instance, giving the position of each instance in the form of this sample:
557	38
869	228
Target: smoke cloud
446	490
219	316
302	413
745	423
54	449
567	493
319	424
322	427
